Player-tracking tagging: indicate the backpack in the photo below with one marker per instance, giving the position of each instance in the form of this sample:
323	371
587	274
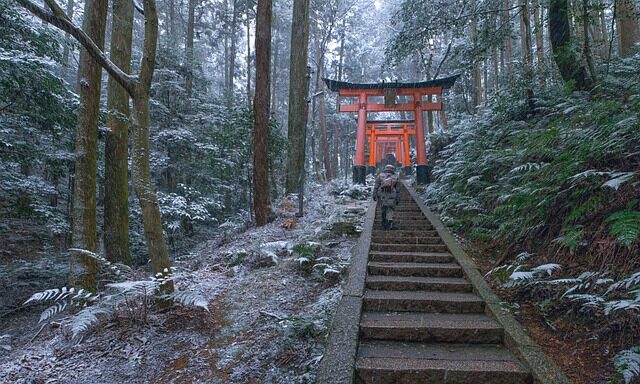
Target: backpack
388	183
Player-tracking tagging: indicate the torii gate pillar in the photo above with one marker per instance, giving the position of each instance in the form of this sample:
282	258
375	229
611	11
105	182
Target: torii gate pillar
359	165
422	169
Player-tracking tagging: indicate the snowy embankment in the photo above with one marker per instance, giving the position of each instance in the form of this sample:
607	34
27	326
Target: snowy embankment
272	292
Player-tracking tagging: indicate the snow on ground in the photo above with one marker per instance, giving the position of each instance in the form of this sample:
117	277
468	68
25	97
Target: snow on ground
272	292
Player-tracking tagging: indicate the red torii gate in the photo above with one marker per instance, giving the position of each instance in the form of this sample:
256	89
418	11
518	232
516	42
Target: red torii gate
390	92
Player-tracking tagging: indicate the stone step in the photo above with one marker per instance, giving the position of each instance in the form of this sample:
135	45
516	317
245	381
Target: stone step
409	240
469	328
399	217
414	269
417	283
421	301
381	362
397	234
411	257
424	226
408	247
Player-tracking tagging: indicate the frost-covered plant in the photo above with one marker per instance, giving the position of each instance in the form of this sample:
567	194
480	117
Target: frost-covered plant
4	342
519	274
627	364
133	297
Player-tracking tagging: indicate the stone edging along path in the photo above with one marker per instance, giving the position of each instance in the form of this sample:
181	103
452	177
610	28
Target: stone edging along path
391	354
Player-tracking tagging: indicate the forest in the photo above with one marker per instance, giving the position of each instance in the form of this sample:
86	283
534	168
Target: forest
179	197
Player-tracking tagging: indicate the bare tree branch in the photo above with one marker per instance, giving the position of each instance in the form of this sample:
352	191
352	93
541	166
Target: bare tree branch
442	61
61	21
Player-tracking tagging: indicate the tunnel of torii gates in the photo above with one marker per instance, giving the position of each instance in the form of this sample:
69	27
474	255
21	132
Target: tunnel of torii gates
381	142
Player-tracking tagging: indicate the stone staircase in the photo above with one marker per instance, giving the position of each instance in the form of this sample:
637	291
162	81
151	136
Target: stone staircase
415	309
421	321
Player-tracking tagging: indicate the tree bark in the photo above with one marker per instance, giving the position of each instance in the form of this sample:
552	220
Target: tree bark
477	79
508	44
537	20
628	27
297	95
587	45
261	113
67	46
189	50
116	202
138	88
525	22
605	35
564	55
232	51
84	234
274	70
248	59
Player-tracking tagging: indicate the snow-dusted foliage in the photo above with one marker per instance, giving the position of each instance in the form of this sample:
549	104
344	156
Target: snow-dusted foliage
627	364
134	298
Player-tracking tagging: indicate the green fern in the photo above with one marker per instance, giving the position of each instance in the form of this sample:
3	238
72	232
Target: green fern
625	226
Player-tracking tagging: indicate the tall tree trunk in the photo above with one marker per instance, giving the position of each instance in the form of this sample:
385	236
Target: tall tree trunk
189	50
341	52
508	44
67	44
232	50
248	59
477	79
84	187
274	70
525	22
261	113
172	30
537	21
116	186
297	95
605	35
568	63
138	88
587	45
628	26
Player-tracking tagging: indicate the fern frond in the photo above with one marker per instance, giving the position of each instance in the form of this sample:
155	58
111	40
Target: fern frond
625	226
54	294
187	298
84	319
53	310
137	287
627	283
627	363
621	305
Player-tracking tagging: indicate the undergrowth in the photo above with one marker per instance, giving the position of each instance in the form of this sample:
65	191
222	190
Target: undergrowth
124	296
558	187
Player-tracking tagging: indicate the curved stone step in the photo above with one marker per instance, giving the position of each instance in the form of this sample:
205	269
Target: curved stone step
420	301
467	328
382	362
